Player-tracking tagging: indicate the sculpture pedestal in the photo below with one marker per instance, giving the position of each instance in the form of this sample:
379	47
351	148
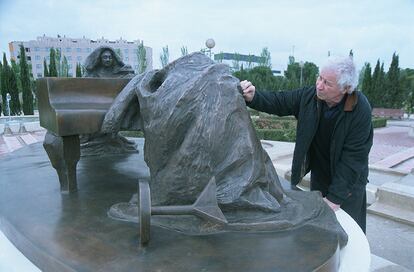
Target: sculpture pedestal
72	232
356	255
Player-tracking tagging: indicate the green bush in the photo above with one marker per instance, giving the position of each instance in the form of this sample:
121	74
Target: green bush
133	134
285	135
379	122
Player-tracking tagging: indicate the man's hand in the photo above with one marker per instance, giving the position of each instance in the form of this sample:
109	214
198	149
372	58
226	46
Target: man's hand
248	90
332	205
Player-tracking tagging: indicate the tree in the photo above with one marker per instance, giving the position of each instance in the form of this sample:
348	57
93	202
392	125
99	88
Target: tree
16	69
382	91
1	102
184	51
25	83
292	75
15	107
265	58
5	82
45	70
58	61
407	83
236	62
394	93
119	53
377	86
366	85
263	78
78	70
165	56
142	58
52	63
310	73
64	67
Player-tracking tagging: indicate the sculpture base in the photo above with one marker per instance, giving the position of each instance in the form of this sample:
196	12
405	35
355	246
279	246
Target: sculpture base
73	232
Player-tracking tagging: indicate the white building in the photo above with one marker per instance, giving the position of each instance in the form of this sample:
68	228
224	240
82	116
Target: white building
75	50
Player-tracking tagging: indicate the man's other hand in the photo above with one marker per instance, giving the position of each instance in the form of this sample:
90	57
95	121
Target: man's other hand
248	90
332	205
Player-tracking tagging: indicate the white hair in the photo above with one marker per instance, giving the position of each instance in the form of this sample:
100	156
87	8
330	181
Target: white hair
345	70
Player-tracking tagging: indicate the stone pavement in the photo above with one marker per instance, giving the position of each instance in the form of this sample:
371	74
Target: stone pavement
390	223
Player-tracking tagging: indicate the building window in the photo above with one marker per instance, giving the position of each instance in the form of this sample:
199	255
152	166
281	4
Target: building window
126	51
68	49
47	49
27	49
78	50
38	66
29	58
37	57
39	75
88	50
36	49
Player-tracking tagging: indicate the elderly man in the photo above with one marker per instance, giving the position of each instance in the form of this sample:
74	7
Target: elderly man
334	134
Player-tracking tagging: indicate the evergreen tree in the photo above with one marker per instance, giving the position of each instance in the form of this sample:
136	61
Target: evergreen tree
382	90
58	62
78	70
263	78
375	86
16	69
142	58
52	63
119	53
25	82
165	56
407	84
5	82
236	62
292	74
310	73
45	70
1	102
64	67
265	58
394	92
184	51
366	85
15	107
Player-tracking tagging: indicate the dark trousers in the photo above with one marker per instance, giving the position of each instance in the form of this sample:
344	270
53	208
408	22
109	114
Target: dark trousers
355	205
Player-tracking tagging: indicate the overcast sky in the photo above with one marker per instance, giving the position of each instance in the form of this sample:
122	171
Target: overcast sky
373	29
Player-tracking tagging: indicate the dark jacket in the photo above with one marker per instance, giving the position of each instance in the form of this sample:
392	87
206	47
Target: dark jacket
351	138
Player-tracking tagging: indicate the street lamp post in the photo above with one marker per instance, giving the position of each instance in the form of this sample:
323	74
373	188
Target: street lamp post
210	43
301	72
8	98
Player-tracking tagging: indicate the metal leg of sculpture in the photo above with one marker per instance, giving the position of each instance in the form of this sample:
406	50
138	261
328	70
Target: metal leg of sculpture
144	212
205	207
64	154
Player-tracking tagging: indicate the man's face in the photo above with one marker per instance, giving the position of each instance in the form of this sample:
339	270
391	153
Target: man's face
327	87
106	59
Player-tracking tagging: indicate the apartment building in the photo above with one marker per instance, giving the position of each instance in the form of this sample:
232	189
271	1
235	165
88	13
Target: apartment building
75	50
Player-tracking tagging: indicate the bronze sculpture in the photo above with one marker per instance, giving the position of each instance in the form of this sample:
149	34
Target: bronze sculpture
103	62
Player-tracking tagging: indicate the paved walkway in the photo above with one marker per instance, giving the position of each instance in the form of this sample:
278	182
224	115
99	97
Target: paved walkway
10	143
393	148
